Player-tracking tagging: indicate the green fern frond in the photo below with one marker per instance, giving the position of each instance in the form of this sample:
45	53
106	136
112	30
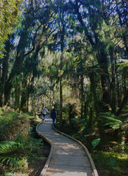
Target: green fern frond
37	141
18	135
82	128
6	146
114	125
111	116
13	161
33	147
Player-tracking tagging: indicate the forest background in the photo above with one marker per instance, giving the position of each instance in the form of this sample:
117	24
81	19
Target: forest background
72	55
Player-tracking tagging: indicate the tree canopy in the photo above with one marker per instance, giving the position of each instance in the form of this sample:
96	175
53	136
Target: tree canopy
9	11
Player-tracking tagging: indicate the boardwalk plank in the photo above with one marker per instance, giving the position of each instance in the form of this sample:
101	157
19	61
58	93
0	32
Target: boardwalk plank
73	160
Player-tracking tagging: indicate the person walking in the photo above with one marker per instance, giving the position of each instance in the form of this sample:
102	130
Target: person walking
53	115
44	111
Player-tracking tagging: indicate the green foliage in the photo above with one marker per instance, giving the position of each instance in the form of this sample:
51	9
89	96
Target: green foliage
12	123
110	163
75	120
95	142
6	146
7	149
115	122
13	152
9	12
1	111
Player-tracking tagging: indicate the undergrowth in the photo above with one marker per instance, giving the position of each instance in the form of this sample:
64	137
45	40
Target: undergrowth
111	163
18	148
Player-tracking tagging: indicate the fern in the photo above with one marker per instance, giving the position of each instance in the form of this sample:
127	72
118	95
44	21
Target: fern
114	125
115	122
14	148
18	135
7	146
33	147
11	160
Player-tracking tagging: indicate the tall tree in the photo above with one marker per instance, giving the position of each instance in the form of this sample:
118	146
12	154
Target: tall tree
33	36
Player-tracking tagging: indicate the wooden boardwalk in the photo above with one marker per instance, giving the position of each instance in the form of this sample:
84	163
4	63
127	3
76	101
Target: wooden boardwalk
67	157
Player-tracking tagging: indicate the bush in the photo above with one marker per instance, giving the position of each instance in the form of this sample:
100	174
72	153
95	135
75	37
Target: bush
15	139
11	124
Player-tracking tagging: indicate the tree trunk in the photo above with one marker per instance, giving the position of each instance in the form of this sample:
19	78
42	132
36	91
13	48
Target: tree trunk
96	107
113	89
23	106
105	82
16	70
4	73
53	96
61	64
61	95
82	95
17	96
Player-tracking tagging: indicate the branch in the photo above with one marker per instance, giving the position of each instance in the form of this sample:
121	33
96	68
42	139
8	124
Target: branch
82	23
33	41
41	45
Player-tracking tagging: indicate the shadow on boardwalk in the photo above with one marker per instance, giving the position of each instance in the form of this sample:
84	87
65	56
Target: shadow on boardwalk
67	157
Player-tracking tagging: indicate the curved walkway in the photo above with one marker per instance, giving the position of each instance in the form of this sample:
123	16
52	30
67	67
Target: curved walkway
67	157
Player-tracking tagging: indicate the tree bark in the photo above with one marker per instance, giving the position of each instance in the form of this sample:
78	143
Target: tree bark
16	70
103	63
61	62
96	107
17	96
82	95
113	88
4	72
24	97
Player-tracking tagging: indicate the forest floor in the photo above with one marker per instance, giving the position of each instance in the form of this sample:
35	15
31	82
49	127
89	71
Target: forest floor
36	165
